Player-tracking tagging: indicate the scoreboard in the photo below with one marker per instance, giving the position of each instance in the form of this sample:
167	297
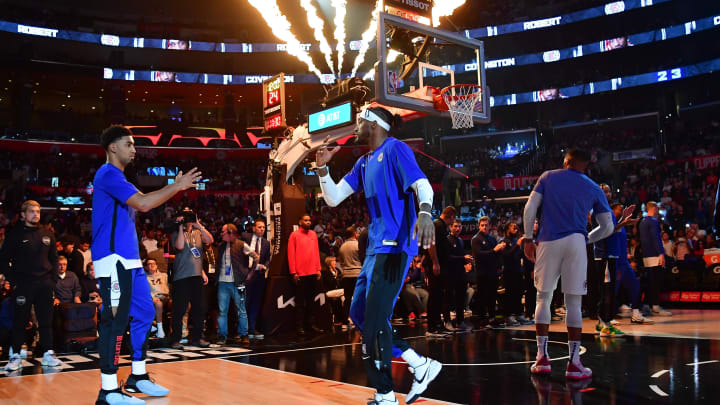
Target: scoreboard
274	102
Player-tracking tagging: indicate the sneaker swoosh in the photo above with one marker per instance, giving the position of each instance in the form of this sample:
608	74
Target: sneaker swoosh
424	375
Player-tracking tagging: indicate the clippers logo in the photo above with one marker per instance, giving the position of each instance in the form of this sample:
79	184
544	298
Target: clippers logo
551	56
20	300
615	7
110	40
46	240
115	287
380	157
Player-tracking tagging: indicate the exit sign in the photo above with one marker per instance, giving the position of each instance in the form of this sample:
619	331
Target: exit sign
330	118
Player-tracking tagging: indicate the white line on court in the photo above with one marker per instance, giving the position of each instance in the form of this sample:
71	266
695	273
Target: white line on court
703	362
659	373
658	390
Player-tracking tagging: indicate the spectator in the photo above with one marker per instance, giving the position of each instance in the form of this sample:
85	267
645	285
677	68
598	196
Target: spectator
668	245
231	282
331	276
160	292
75	259
349	258
414	292
89	285
87	255
257	275
304	264
67	288
150	243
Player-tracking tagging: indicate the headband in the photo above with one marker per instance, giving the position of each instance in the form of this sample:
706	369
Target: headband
371	116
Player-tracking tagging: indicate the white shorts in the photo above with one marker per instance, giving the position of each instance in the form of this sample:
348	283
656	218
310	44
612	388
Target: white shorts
566	258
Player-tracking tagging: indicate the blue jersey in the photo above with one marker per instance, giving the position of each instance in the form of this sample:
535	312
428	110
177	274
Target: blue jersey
568	198
385	175
113	222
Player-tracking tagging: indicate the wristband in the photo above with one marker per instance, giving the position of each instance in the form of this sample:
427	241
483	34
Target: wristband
321	167
426	213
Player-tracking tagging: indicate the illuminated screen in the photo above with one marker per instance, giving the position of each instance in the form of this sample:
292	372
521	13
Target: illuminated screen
330	118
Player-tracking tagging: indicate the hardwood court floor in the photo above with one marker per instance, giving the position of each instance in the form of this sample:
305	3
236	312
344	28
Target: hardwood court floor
675	361
207	381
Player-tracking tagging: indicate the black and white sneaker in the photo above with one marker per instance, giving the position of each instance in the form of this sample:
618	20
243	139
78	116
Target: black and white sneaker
424	375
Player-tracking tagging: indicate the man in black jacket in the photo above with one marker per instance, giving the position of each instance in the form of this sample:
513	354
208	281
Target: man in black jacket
437	279
28	259
455	274
486	252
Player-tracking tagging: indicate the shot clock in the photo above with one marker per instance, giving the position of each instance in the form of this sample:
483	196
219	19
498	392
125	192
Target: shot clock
274	102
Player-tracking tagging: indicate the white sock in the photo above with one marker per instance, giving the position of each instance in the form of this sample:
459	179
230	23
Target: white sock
160	330
138	367
542	346
413	359
109	381
574	348
636	313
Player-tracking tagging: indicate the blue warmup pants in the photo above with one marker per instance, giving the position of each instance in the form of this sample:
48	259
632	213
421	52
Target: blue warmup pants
627	279
376	292
136	303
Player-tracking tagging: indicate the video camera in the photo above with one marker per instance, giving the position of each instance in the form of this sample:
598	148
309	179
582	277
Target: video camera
188	216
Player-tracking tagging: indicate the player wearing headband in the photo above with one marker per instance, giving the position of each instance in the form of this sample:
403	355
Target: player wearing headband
392	181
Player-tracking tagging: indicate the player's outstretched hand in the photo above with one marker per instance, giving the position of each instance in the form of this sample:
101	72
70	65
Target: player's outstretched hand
425	231
187	180
628	211
324	155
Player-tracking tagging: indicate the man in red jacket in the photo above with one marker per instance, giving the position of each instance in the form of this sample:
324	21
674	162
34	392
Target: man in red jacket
304	263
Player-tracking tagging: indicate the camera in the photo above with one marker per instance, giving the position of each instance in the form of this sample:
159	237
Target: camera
188	216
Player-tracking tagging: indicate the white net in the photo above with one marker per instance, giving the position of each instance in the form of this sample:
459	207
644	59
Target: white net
461	101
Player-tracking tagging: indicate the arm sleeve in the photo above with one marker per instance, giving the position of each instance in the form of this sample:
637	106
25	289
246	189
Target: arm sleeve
353	177
423	192
291	253
604	229
334	194
530	213
115	184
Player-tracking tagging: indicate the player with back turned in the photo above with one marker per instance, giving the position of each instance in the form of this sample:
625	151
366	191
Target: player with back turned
124	288
391	180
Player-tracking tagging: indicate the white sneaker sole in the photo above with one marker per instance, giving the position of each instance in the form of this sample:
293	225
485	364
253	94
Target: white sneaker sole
433	371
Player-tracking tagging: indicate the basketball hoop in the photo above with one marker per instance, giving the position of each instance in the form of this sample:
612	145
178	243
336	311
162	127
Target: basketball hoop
461	100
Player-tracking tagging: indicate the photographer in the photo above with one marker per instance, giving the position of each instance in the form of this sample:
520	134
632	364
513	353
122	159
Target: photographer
189	278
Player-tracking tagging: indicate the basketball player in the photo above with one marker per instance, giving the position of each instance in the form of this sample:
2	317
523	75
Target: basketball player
389	176
567	197
124	289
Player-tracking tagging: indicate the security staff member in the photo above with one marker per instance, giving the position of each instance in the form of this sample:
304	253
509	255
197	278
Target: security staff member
28	258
